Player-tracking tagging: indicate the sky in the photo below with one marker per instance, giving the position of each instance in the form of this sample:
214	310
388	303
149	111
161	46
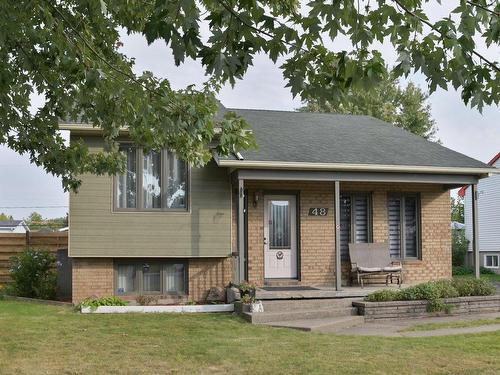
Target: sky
25	188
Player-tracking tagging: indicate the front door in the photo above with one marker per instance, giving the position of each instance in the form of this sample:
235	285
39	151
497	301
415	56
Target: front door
280	236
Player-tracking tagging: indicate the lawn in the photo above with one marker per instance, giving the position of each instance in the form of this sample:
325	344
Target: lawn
39	339
453	324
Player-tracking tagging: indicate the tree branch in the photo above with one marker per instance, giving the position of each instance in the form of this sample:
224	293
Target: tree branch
98	55
474	52
483	8
257	29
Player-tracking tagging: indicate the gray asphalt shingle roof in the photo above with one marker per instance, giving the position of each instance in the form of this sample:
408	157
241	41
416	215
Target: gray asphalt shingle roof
10	223
332	138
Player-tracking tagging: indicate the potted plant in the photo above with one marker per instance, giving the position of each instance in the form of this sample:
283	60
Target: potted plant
251	305
247	289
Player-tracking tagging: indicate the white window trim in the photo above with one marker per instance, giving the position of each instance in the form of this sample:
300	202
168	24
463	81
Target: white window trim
492	255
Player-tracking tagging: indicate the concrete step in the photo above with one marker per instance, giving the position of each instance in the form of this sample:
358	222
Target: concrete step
296	314
320	325
307	304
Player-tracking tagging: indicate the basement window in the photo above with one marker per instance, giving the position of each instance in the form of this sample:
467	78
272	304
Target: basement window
153	181
491	261
150	277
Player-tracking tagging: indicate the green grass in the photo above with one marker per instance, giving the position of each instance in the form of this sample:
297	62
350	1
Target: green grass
39	339
457	324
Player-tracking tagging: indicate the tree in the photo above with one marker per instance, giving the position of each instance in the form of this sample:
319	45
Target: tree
35	221
5	217
457	210
68	53
405	107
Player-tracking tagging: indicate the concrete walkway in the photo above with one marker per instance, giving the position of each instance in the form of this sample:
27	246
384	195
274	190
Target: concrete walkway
392	328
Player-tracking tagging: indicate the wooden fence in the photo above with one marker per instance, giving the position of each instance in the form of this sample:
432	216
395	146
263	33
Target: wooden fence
14	243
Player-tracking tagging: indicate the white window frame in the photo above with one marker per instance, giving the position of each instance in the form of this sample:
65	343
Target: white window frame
139	204
491	255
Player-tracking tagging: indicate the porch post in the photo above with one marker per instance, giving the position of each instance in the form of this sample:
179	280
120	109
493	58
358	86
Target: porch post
475	232
241	231
338	265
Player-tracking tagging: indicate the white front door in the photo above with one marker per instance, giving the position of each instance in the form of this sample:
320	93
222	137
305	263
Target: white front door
280	236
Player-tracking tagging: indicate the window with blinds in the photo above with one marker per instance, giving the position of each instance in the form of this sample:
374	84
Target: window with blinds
355	221
404	229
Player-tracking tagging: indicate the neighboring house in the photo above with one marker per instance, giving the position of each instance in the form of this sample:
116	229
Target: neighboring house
268	215
488	206
13	226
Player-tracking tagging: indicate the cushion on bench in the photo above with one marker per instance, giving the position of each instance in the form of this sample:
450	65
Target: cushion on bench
369	269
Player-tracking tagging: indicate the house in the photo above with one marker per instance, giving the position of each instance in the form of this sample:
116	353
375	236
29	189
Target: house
488	206
13	226
280	215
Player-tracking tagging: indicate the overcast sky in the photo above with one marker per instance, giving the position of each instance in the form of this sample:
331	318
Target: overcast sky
25	188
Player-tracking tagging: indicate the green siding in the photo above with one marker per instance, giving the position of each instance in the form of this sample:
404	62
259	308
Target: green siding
203	231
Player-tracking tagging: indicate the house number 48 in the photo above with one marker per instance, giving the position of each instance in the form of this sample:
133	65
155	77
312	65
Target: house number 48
318	211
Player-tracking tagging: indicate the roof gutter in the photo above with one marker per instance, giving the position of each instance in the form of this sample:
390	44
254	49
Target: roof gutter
355	167
84	128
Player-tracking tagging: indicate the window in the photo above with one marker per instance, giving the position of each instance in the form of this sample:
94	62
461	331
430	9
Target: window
279	228
404	225
151	277
355	221
156	180
491	261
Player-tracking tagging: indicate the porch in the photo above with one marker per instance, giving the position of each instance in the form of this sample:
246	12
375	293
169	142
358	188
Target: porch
317	292
292	228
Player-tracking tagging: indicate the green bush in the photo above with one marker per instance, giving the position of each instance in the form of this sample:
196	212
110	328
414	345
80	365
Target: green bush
435	291
474	287
384	295
459	246
486	271
462	270
94	303
33	275
466	270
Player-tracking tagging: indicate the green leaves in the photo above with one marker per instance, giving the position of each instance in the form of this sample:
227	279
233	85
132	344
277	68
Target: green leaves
68	53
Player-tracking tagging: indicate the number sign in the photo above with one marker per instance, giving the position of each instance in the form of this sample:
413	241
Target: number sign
318	211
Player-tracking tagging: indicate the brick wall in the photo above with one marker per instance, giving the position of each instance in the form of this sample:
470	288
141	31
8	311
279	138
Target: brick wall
92	277
318	233
205	273
435	262
317	257
95	277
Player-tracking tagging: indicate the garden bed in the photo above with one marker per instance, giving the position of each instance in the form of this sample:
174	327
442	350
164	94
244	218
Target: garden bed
419	309
158	309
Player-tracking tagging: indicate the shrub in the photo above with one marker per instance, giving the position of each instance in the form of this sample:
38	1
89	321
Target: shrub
33	274
146	300
435	291
486	271
462	271
384	295
459	246
466	270
474	287
94	302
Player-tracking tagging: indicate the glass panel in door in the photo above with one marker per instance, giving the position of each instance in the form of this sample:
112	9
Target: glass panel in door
279	225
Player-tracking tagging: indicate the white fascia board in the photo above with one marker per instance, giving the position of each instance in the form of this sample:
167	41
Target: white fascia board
354	167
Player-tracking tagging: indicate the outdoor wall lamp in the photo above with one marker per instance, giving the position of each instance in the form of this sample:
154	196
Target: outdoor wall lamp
256	197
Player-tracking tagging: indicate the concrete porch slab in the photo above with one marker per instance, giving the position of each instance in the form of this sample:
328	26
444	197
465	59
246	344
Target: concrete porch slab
321	292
